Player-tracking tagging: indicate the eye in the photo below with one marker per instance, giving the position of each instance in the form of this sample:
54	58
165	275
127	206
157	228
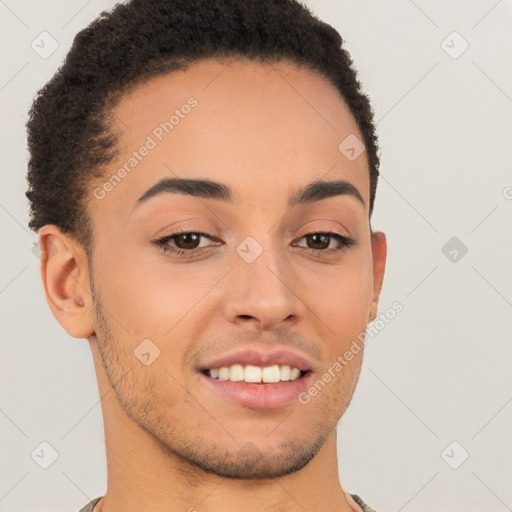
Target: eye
186	243
319	242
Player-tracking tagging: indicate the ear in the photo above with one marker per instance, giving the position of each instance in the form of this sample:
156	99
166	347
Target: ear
379	252
65	276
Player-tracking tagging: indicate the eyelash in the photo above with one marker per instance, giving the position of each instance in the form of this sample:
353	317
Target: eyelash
161	243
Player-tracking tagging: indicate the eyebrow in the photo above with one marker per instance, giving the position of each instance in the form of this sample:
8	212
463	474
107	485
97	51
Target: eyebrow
208	189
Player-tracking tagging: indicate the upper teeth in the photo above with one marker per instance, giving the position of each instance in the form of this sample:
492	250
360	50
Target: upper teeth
251	373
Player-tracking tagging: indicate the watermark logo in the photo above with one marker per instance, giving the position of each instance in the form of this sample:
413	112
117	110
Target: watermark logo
44	45
351	147
146	352
249	249
44	455
454	455
454	249
454	45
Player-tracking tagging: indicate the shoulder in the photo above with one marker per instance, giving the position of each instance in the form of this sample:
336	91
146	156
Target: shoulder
365	507
90	506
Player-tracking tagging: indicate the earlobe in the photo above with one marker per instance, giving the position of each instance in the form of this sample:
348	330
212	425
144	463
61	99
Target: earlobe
65	277
379	254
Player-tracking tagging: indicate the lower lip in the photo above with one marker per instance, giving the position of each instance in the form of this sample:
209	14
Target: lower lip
260	396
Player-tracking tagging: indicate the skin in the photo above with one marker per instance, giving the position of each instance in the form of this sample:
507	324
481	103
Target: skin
171	442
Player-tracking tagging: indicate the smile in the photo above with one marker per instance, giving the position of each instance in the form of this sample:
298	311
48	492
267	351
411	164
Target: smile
255	374
259	388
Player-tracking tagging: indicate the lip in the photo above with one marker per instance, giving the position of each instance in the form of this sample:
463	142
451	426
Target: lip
258	357
259	396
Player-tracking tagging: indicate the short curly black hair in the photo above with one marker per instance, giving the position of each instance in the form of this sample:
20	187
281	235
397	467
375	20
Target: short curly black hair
69	137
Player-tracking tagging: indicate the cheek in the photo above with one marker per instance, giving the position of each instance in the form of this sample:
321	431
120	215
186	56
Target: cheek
341	296
149	296
135	294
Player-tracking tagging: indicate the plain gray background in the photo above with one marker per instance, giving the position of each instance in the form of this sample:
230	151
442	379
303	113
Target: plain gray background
435	385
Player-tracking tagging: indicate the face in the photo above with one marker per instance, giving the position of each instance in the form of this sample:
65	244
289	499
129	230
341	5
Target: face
184	277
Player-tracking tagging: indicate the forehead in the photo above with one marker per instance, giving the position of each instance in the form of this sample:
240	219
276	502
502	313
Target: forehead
254	126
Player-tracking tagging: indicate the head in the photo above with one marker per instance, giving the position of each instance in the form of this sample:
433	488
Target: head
170	160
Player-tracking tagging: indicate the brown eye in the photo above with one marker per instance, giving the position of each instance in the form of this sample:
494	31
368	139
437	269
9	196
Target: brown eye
318	241
185	243
187	240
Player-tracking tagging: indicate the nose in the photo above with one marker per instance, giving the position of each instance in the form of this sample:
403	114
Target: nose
263	291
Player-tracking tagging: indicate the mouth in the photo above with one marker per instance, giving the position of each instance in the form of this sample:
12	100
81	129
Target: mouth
252	374
257	377
268	387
